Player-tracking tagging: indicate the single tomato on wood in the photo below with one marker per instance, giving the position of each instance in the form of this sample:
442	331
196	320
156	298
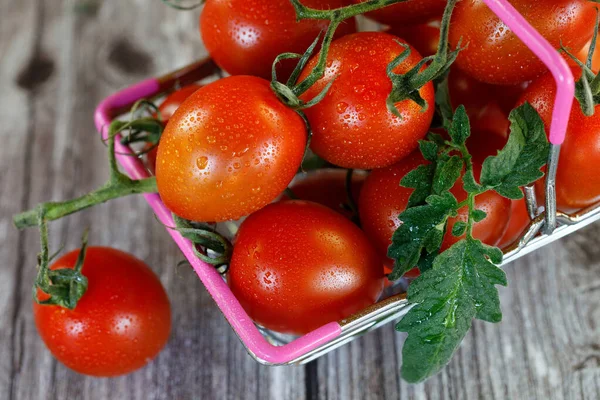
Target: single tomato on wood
120	323
230	149
352	126
298	265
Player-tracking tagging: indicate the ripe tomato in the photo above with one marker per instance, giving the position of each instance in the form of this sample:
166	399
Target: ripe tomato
172	102
408	12
230	149
382	200
577	178
494	53
121	322
245	36
328	187
352	126
298	265
583	55
424	37
167	108
519	220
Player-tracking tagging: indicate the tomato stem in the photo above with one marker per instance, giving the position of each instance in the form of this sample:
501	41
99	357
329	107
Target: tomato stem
119	185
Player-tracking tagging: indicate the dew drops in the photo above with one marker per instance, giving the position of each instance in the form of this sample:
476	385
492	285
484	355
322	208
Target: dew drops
211	139
341	107
202	162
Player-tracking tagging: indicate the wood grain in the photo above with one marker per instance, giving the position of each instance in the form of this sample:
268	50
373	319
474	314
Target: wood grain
59	59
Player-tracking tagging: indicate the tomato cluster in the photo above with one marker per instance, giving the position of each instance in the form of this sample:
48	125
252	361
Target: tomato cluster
319	252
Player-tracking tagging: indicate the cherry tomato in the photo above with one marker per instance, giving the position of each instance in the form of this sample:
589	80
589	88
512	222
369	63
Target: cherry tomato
583	55
230	149
382	199
577	178
245	36
172	102
121	322
424	37
167	108
488	106
328	187
519	220
494	53
352	126
408	12
298	265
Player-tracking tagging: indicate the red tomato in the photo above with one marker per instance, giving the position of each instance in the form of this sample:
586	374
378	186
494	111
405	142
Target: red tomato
167	108
424	37
328	187
583	55
495	55
577	178
230	149
408	12
352	126
298	265
519	220
172	102
121	322
488	106
382	199
245	36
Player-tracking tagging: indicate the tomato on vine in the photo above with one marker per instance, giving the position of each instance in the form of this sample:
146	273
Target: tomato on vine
494	53
577	179
352	126
120	323
230	149
382	200
298	265
425	38
245	36
408	12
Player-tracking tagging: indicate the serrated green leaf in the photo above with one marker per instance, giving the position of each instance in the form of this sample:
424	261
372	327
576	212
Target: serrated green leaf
478	215
459	287
460	129
519	162
422	227
459	228
426	261
421	180
469	183
447	173
429	149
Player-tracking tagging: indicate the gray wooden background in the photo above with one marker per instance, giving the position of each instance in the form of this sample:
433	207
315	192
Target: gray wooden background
58	59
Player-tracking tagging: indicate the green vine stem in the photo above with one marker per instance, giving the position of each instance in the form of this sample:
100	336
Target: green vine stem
118	185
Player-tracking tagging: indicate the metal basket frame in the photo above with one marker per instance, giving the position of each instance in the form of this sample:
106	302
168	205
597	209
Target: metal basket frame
267	347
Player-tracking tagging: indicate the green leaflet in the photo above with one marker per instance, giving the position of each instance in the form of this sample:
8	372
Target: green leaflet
459	287
519	162
422	228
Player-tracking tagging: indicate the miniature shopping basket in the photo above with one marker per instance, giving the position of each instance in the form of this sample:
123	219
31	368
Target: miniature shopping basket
272	349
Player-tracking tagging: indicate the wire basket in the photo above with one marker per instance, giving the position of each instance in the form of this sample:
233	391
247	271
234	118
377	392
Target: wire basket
271	348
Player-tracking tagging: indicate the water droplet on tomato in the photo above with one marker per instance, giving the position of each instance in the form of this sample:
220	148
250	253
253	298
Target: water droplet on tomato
202	162
341	107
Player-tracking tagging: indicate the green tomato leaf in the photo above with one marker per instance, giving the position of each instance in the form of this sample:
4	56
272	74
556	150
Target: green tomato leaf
459	287
459	228
422	228
429	149
447	173
460	129
421	180
478	215
519	162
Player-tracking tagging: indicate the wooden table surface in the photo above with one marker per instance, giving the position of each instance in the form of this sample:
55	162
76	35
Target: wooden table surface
58	59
